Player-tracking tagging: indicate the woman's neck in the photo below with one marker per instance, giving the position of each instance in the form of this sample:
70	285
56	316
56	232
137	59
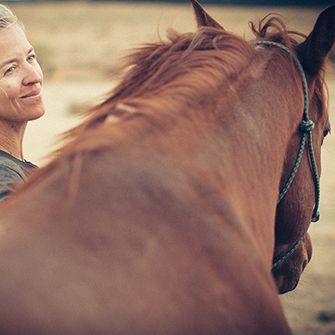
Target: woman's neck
11	137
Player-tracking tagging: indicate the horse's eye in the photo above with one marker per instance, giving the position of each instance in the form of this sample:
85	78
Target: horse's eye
326	131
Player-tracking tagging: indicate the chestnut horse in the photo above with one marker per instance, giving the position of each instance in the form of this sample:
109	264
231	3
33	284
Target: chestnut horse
160	215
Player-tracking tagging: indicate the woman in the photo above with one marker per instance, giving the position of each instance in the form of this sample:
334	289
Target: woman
20	98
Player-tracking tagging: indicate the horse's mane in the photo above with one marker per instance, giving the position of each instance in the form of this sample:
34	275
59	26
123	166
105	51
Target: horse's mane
167	75
171	73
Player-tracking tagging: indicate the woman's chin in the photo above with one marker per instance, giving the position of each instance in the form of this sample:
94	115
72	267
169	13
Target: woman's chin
36	113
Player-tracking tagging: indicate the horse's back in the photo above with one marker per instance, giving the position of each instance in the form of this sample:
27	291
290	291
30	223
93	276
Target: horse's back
132	257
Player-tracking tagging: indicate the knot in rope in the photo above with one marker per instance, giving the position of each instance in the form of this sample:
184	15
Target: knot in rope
306	126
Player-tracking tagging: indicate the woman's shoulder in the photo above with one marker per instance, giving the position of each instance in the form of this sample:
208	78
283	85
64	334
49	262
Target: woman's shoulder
9	170
11	166
12	171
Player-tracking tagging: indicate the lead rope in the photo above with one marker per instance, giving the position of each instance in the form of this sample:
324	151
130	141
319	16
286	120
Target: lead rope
306	128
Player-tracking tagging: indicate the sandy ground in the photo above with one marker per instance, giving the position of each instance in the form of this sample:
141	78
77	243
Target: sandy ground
79	45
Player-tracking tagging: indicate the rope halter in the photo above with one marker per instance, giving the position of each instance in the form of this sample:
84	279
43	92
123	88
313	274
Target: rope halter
306	128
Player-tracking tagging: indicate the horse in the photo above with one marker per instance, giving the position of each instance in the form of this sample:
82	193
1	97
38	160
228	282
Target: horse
162	212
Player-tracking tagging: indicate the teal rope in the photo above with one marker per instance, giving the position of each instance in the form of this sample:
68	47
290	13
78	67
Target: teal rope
306	128
316	213
294	171
281	259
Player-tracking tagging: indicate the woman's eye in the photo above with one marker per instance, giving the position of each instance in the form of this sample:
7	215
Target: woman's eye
10	70
326	129
326	132
31	57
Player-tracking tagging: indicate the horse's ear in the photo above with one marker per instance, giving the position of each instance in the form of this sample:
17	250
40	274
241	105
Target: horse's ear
202	17
313	51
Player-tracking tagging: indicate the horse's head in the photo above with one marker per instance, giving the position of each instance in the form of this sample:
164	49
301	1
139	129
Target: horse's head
293	248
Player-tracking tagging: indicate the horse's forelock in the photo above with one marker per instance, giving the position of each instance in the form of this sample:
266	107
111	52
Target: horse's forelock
272	28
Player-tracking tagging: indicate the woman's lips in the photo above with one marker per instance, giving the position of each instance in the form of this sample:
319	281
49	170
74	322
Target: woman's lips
32	97
32	94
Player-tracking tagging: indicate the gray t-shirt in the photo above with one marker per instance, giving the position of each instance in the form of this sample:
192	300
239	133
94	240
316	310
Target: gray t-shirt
12	171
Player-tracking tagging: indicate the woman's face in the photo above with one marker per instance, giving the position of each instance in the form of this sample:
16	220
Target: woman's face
20	78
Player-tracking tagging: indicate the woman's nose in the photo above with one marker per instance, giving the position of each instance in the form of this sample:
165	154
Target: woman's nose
33	74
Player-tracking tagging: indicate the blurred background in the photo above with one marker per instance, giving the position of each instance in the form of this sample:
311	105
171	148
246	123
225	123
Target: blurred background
79	45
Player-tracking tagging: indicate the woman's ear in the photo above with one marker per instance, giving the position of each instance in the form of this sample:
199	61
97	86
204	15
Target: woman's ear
202	17
314	50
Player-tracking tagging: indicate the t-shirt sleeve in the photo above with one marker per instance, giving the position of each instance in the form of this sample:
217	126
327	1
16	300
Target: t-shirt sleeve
8	177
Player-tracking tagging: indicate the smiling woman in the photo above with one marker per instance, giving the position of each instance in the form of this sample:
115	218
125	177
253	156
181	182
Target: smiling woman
20	98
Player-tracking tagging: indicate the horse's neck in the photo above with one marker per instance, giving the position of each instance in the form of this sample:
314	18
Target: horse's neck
255	122
239	134
230	144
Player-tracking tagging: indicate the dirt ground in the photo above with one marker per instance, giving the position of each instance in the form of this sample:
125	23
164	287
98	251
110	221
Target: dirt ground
79	45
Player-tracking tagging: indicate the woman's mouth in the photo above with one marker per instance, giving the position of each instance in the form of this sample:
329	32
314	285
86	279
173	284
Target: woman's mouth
31	94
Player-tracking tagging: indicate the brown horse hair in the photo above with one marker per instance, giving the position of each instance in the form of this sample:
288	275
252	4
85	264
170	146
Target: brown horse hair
157	78
272	28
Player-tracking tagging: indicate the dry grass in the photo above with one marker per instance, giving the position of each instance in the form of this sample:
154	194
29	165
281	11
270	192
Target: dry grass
79	40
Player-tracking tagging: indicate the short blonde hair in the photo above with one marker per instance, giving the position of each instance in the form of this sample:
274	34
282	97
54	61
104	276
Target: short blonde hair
8	18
